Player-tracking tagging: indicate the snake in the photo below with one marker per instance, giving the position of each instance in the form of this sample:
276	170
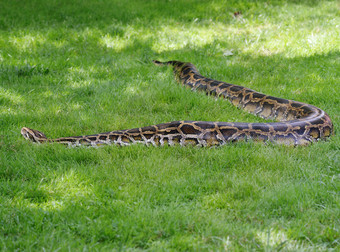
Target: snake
293	123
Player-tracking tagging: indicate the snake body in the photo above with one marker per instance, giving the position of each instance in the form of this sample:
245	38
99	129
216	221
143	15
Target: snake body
297	123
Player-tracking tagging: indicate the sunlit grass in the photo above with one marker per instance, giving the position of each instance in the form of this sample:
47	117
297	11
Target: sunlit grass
83	67
263	33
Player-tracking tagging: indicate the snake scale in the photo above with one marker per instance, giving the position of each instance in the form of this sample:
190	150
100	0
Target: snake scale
297	123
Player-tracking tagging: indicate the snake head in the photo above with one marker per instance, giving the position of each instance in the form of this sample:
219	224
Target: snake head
33	135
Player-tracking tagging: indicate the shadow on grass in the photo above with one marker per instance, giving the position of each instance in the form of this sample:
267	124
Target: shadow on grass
274	75
80	81
76	14
96	203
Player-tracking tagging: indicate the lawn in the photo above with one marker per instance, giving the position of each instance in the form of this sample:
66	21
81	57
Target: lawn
83	67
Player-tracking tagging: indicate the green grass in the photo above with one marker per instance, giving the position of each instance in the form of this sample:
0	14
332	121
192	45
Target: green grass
83	67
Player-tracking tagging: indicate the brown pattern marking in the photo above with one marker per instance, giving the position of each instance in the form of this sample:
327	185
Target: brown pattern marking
298	123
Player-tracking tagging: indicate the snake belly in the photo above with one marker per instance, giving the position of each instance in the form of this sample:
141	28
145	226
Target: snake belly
297	123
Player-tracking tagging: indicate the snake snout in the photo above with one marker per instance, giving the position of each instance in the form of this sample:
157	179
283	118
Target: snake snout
24	133
33	135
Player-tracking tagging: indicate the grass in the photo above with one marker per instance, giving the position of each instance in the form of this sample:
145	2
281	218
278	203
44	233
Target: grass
83	67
